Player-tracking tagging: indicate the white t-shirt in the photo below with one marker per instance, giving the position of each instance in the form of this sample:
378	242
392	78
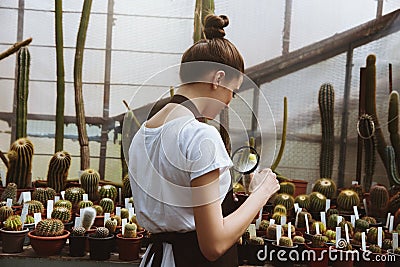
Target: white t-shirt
162	163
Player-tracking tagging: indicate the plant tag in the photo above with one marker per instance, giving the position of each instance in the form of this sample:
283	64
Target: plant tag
81	213
289	231
24	212
323	217
37	217
252	230
353	220
297	217
354	182
56	198
124	221
307	226
118	211
271	221
296	207
356	212
317	229
327	204
85	197
119	195
278	233
387	220
106	217
3	178
283	220
363	242
62	194
131	212
339	219
26	196
338	235
78	222
380	236
395	240
126	202
130	206
9	202
391	224
346	230
49	208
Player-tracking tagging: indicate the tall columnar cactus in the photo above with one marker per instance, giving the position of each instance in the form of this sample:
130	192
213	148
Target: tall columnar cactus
74	194
394	203
89	214
393	125
367	133
108	191
126	187
347	199
13	223
130	230
10	192
283	136
43	194
325	186
50	227
379	200
326	100
24	59
90	183
20	163
393	174
58	170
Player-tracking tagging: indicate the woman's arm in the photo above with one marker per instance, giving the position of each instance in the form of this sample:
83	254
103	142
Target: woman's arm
215	233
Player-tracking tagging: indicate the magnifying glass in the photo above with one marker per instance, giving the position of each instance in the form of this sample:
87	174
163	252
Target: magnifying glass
245	159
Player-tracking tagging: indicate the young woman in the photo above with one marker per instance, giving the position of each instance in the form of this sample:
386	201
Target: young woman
179	167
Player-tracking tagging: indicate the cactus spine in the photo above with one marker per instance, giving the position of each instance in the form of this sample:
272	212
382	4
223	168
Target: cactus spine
85	204
10	192
90	183
394	203
325	186
317	241
101	232
63	203
74	194
24	60
280	209
298	239
50	227
372	235
35	207
366	128
78	231
326	99
20	163
99	210
271	232
61	213
13	223
108	191
111	225
361	225
379	199
347	199
58	170
375	249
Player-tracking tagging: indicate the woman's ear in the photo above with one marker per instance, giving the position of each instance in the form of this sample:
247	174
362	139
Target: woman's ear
217	79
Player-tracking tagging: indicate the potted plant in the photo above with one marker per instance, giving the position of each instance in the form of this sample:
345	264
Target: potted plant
373	258
344	254
129	243
13	236
100	244
319	250
77	242
49	237
286	245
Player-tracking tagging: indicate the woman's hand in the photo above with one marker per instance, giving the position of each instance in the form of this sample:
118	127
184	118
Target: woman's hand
264	180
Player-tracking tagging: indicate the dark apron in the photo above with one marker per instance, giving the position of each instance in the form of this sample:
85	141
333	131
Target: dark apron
185	246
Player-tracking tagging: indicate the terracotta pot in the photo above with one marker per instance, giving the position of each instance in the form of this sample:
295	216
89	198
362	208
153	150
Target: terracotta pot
13	241
45	246
301	187
77	246
100	248
321	258
129	248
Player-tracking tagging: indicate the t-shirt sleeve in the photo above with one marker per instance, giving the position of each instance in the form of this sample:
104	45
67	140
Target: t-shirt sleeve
206	152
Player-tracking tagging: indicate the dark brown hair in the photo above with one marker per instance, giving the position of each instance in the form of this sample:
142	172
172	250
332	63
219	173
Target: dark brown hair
215	48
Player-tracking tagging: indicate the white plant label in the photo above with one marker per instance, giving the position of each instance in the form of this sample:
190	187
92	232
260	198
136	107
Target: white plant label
56	198
119	195
26	196
363	242
252	230
81	213
126	202
339	219
62	194
395	240
9	202
258	221
78	221
338	235
124	221
85	197
130	206
278	233
49	208
296	207
380	236
317	229
346	230
283	220
387	220
391	224
327	204
37	217
118	211
3	178
106	217
356	212
289	231
353	220
24	212
323	217
365	206
354	182
271	221
131	212
307	226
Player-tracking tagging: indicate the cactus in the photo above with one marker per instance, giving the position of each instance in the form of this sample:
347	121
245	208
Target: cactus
50	227
285	200
393	125
285	228
13	223
271	232
89	214
108	191
350	228
99	210
387	244
74	194
375	249
357	236
118	219
43	194
358	189
78	231
5	212
303	201
326	99
107	204
90	183
347	199
330	234
370	220
130	230
325	186
280	209
35	207
332	221
298	239
285	241
361	225
331	211
111	225
379	199
322	227
134	220
317	202
124	213
29	219
24	61
277	217
394	203
57	173
317	241
126	187
101	232
372	235
85	203
61	213
63	203
366	131
301	221
10	192
287	188
20	163
397	251
263	225
256	241
283	136
393	175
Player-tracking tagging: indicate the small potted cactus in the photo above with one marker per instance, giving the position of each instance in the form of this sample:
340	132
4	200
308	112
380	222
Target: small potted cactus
77	242
129	243
344	254
49	237
285	244
320	249
374	258
253	246
100	244
13	236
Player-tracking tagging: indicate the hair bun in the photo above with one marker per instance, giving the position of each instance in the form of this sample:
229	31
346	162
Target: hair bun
214	26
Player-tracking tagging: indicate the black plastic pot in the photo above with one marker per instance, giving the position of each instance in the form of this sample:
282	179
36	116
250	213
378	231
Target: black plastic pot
100	248
77	246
